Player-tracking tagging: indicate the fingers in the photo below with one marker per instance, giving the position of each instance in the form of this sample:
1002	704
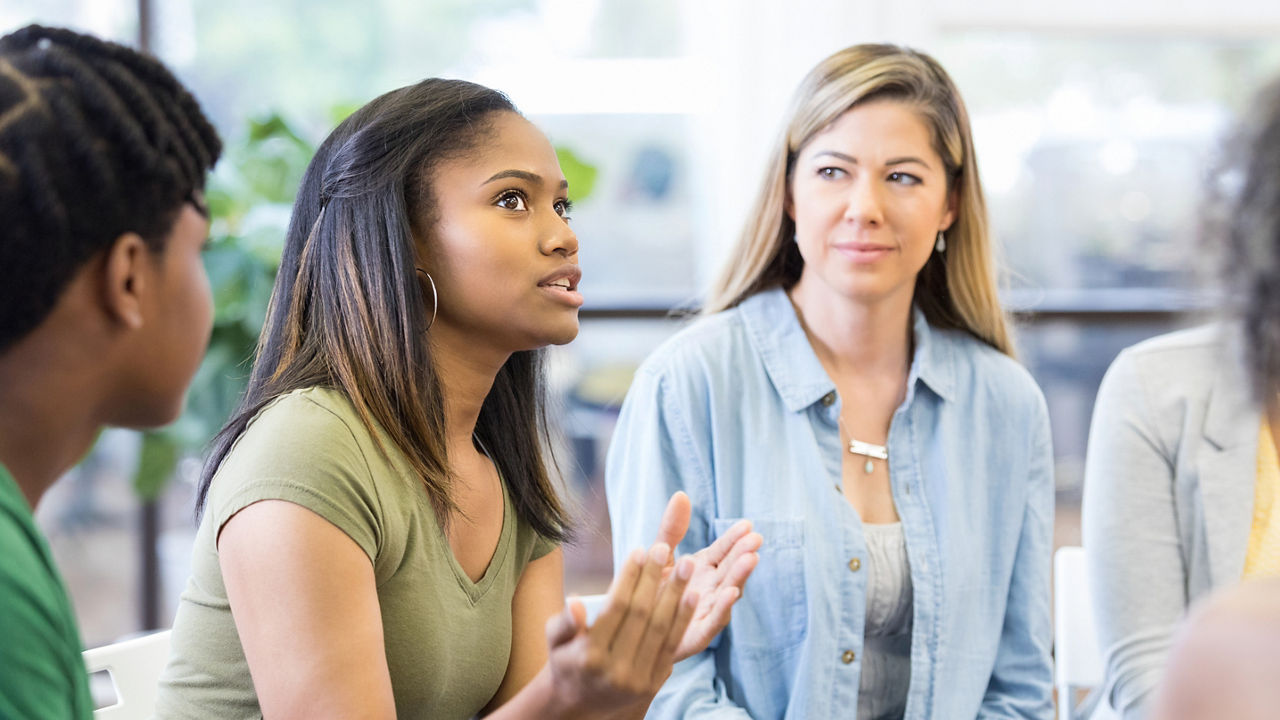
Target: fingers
643	601
714	612
564	625
666	658
741	561
579	611
664	615
718	615
619	600
675	520
717	551
742	568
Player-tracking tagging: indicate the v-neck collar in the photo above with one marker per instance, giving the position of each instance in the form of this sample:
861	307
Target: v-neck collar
476	589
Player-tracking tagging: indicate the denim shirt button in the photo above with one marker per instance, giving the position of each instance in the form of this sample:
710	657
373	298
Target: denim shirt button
829	399
848	656
855	564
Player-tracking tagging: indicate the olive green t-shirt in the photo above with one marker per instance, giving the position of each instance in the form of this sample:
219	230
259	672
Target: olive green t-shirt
448	639
42	672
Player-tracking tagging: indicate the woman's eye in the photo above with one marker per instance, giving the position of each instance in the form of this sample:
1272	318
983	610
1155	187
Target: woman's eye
903	178
564	207
830	173
511	201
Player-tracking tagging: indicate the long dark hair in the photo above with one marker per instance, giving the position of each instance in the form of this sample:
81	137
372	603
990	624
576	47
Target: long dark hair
348	311
1243	216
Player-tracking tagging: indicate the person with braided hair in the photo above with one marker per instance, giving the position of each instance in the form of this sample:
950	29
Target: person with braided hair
105	308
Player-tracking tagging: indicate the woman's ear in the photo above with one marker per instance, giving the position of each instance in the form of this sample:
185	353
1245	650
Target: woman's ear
125	278
422	246
953	203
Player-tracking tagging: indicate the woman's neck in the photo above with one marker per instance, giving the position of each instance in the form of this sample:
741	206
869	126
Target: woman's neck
466	371
853	338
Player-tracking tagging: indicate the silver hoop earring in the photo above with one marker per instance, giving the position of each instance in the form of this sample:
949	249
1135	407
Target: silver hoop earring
435	299
941	245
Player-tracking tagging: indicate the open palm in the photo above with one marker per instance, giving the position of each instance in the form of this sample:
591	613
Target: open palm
720	571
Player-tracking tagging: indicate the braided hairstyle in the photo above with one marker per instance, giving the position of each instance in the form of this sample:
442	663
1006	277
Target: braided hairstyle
96	140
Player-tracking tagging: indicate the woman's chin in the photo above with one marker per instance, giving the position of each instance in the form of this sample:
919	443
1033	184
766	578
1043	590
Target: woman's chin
565	335
561	333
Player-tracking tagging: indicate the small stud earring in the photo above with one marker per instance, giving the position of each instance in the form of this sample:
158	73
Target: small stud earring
941	245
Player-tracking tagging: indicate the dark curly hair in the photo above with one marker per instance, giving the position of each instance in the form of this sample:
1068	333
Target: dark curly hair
1243	220
96	140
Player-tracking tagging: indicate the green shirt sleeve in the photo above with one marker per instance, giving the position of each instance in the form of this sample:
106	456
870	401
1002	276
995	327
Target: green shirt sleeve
42	673
542	546
301	451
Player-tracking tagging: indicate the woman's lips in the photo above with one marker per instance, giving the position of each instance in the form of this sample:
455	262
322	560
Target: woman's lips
860	252
563	285
563	294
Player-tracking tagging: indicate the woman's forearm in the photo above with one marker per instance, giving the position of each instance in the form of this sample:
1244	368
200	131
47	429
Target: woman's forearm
535	700
539	700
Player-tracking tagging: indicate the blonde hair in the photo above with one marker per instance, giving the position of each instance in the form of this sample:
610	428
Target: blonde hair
955	289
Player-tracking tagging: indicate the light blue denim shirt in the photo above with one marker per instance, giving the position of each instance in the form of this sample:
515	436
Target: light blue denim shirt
737	411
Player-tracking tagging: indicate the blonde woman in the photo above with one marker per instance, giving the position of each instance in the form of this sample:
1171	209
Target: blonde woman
852	390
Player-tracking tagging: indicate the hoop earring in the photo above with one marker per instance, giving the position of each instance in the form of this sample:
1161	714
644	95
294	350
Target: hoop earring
941	245
435	299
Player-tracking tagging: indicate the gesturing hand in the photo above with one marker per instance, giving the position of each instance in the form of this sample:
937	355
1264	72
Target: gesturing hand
619	662
719	572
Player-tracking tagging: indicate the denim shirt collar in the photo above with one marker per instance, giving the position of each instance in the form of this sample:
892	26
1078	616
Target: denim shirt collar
794	368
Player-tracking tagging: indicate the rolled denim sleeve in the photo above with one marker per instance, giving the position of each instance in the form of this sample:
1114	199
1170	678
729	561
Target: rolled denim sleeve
1131	539
652	455
1021	683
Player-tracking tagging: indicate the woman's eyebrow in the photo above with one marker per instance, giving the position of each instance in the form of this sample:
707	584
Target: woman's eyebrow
521	175
891	161
907	159
838	155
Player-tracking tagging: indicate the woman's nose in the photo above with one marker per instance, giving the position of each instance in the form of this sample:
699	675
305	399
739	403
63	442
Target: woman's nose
560	238
864	203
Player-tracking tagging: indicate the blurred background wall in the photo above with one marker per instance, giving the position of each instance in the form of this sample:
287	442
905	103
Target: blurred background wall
1095	124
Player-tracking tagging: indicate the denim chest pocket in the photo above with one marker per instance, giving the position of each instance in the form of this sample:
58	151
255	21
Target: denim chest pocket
772	614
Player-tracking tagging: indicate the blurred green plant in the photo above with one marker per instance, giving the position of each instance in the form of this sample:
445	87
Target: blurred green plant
250	197
580	174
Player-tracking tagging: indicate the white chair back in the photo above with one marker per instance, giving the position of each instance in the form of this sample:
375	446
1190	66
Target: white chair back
135	666
1077	663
